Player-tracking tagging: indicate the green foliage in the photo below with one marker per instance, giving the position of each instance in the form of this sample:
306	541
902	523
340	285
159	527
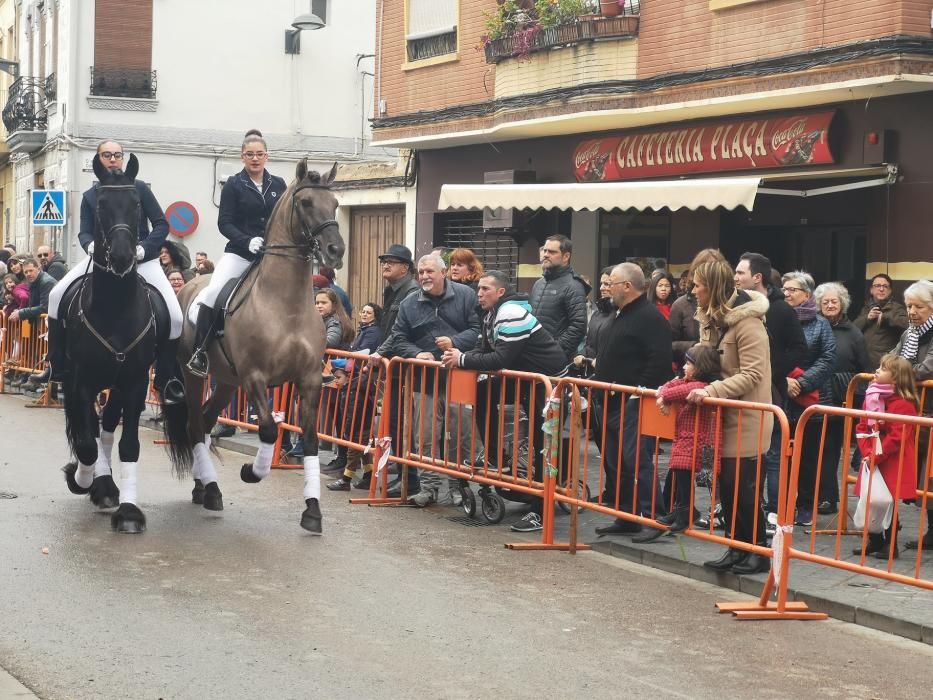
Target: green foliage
515	16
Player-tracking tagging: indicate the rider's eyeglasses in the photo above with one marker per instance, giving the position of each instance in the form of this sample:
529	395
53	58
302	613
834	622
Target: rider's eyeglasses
250	155
111	155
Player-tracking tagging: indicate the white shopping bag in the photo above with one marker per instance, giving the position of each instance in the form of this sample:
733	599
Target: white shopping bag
881	506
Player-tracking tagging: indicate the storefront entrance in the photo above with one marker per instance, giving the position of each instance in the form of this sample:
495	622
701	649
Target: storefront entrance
829	253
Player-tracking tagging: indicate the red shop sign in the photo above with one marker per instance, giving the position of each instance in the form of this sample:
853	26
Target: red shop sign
746	144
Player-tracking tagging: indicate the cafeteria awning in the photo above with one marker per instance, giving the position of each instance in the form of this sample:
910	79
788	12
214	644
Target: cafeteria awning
708	193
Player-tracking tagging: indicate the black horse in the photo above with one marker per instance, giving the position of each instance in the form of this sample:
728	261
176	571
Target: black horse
115	326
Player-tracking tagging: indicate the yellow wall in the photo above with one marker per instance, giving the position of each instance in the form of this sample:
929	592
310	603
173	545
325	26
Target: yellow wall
583	63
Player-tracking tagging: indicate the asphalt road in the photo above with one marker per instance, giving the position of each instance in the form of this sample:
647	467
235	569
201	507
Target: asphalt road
389	603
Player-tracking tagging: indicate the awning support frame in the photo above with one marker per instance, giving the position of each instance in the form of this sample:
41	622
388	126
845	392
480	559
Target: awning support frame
889	179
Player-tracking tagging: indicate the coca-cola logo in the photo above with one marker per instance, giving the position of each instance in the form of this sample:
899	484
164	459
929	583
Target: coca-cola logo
789	134
585	156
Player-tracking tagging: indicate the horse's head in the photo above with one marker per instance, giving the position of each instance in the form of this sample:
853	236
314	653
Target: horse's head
116	229
314	207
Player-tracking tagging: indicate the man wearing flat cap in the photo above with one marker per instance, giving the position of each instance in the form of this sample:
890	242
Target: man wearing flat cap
397	272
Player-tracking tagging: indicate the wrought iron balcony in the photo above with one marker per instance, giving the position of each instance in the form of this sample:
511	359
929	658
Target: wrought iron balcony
26	106
51	88
123	82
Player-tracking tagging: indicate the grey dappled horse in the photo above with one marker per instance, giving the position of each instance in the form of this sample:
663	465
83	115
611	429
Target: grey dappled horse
273	334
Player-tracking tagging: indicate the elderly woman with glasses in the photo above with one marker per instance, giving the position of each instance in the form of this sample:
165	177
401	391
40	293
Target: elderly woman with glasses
883	319
832	300
916	346
814	375
246	203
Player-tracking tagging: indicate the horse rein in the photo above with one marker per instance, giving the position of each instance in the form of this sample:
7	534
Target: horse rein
119	355
116	227
312	245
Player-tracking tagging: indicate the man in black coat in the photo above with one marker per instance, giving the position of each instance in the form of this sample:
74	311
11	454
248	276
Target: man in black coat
558	298
636	351
52	263
788	350
398	274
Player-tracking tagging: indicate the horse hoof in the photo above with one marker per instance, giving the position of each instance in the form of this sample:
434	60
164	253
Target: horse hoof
311	517
70	470
197	493
128	520
246	474
212	498
104	492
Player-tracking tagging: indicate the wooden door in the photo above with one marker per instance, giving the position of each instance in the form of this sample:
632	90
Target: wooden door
372	231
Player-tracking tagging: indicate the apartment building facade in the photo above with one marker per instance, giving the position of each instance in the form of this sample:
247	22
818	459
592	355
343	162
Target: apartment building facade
794	129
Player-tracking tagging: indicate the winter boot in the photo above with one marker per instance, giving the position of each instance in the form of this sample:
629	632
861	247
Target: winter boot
197	365
56	353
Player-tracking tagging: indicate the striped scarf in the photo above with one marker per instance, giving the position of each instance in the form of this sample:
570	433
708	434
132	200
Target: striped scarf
912	340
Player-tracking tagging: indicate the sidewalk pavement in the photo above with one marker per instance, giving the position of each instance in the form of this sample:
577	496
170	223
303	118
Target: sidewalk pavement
894	608
11	689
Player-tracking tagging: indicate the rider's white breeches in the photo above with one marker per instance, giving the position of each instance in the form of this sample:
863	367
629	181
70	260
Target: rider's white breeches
230	266
150	271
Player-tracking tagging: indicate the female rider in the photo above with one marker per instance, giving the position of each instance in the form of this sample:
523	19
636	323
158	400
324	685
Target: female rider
110	154
246	203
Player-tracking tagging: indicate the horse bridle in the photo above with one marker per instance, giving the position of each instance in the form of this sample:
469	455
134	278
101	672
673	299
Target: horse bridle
116	227
309	249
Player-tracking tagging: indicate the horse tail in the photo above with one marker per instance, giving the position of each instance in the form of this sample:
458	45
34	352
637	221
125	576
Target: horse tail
178	442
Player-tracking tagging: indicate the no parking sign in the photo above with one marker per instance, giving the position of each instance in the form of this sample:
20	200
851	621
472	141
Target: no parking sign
182	218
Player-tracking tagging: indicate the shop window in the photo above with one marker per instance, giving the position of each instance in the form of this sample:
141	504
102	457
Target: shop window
432	28
639	237
497	250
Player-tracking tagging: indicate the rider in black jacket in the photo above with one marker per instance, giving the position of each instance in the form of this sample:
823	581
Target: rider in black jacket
246	203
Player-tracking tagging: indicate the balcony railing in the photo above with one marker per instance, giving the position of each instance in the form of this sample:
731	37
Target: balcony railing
585	29
123	82
27	106
51	88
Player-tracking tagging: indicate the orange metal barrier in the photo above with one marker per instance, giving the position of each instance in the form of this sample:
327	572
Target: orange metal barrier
23	346
445	419
347	410
913	575
641	502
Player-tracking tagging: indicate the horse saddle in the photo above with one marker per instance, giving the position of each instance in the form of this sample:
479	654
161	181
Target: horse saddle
225	304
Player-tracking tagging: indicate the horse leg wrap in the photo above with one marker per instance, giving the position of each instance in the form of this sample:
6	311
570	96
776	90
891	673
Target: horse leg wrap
84	477
203	465
128	482
104	453
262	465
312	477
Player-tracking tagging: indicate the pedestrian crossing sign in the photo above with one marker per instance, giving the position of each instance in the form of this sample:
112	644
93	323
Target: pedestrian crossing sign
48	207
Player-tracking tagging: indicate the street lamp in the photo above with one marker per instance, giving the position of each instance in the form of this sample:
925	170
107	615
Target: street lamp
309	21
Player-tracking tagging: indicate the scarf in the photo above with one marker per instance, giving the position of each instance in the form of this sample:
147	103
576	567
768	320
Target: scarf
874	401
912	340
806	311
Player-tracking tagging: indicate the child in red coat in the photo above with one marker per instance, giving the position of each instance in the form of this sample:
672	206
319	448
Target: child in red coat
888	446
692	438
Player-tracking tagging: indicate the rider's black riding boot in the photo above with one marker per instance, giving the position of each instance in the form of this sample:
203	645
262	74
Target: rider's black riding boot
166	383
56	353
197	365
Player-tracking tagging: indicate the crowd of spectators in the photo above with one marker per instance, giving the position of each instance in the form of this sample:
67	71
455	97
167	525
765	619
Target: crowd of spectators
781	339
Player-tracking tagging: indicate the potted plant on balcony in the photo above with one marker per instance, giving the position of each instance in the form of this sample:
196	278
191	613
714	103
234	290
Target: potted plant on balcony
514	29
610	8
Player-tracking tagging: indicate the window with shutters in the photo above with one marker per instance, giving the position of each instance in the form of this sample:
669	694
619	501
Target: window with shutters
431	29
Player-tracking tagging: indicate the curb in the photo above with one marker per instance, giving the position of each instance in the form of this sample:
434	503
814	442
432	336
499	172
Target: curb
753	586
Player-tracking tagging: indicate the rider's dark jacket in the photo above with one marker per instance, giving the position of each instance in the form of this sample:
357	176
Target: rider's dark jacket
244	211
149	212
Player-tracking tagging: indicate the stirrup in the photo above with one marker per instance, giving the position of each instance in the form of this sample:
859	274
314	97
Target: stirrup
197	365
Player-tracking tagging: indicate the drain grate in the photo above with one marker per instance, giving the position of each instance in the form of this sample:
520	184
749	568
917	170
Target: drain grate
466	520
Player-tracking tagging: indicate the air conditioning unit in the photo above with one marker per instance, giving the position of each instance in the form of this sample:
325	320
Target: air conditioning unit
503	217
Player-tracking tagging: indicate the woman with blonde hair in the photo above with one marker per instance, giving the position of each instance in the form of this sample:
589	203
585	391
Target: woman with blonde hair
684	327
732	321
464	267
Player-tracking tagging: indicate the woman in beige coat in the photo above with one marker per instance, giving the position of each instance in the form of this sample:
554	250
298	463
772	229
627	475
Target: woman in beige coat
734	322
